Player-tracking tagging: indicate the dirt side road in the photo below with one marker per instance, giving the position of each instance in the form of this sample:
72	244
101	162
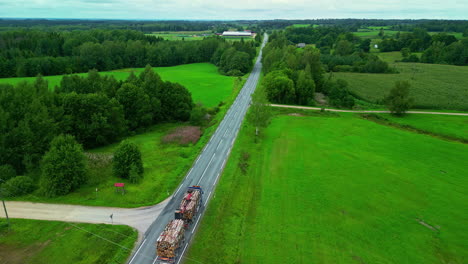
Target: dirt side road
366	111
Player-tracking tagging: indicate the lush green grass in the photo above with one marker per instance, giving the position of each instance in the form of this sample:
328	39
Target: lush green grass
50	242
338	190
449	126
202	79
179	35
432	85
394	56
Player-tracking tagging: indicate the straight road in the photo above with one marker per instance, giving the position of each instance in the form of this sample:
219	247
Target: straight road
365	111
205	171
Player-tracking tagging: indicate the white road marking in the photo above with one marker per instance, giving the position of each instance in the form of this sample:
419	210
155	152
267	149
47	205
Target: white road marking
207	199
178	190
225	133
155	259
214	154
219	144
224	162
195	226
217	176
190	171
181	255
199	158
137	251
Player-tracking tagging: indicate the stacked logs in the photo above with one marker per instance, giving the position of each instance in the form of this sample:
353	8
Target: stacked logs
170	239
189	204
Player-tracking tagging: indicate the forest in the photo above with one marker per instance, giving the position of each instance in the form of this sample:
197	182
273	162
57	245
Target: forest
95	110
292	76
33	52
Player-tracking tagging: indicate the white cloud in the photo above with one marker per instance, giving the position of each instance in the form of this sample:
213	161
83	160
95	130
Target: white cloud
240	9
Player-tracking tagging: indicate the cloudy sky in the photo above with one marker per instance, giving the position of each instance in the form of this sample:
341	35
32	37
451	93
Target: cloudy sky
238	9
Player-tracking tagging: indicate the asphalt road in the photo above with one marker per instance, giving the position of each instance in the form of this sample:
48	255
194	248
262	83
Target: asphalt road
205	171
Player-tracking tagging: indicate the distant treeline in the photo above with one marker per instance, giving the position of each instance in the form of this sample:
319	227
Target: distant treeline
33	52
440	48
339	47
96	110
217	26
86	24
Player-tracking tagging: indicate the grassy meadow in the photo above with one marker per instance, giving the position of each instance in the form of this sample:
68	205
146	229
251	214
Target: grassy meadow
45	242
202	80
337	189
455	127
432	85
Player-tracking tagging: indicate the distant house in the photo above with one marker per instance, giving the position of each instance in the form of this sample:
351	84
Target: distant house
237	34
376	46
301	45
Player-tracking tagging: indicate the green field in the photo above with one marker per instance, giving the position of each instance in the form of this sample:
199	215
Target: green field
338	189
202	79
432	85
179	35
51	242
449	126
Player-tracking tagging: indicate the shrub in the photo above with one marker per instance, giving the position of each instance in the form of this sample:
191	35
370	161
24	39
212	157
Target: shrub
127	156
18	186
63	167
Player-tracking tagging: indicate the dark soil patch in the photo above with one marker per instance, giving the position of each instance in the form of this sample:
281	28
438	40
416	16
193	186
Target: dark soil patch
183	135
10	254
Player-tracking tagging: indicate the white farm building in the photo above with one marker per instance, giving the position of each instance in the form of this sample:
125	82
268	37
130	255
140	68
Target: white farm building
237	34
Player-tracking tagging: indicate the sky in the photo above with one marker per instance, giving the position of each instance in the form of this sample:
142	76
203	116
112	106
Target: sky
232	10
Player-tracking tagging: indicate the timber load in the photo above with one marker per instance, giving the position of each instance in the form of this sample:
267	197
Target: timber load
190	203
170	239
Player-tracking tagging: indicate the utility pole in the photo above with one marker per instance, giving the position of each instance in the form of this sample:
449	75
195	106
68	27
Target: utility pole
6	213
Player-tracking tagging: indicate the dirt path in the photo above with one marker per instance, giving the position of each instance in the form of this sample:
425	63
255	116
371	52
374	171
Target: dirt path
138	218
366	111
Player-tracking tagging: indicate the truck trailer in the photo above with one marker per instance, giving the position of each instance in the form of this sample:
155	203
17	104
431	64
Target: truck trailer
190	205
170	240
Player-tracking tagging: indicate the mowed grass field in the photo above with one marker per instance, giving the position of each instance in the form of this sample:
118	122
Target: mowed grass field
338	189
450	126
202	79
432	85
51	242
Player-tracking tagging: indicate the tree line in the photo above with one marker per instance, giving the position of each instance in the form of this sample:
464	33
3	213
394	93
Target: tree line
96	110
29	53
340	49
292	75
441	48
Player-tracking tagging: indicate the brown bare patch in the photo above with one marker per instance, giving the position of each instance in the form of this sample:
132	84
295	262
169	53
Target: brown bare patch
10	254
183	135
99	160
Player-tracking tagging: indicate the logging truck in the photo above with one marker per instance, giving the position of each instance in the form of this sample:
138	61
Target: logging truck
173	236
189	205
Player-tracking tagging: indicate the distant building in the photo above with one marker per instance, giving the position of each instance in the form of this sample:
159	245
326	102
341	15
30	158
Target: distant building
237	34
376	46
301	45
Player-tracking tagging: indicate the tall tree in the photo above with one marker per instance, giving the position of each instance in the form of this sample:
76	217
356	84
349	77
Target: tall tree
398	100
63	167
136	106
260	110
127	161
